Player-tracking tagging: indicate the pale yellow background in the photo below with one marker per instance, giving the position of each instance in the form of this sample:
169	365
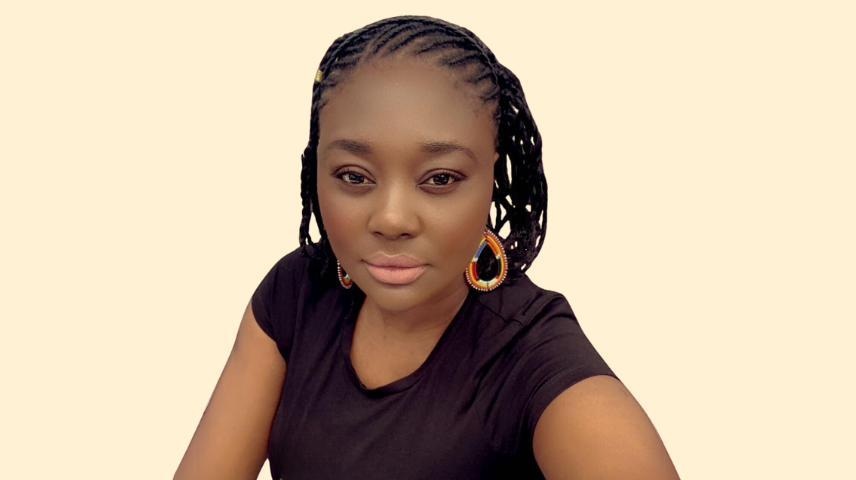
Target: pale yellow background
700	161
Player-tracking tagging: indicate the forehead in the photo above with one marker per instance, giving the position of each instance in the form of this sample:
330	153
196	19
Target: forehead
403	103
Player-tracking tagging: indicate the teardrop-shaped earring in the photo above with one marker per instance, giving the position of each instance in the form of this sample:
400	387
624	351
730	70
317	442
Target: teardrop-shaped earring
492	241
344	278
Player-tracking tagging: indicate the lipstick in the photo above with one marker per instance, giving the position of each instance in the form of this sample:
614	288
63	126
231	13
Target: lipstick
396	269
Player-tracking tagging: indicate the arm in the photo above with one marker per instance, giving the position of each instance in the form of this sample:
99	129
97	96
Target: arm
596	430
232	438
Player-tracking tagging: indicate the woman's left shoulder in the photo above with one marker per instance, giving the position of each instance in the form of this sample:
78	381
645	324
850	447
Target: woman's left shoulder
586	427
538	351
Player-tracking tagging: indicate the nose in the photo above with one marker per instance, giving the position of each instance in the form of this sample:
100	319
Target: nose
395	211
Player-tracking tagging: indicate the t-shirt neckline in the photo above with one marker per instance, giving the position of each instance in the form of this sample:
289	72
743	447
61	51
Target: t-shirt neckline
401	384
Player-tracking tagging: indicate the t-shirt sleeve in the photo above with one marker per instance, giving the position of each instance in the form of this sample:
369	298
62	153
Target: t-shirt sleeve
274	301
550	354
561	357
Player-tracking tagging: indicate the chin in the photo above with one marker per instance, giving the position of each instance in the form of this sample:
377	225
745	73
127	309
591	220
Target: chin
397	298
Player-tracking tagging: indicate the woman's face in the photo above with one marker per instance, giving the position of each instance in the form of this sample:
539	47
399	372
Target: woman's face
390	181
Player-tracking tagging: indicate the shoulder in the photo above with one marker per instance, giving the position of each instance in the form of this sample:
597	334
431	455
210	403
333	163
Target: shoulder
289	272
531	348
522	315
520	303
293	262
507	321
278	295
586	427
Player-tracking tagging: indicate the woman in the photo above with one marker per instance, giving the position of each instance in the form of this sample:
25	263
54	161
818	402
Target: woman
416	345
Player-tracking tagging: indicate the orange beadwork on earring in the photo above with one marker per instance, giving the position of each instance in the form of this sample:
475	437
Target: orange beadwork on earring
492	241
344	278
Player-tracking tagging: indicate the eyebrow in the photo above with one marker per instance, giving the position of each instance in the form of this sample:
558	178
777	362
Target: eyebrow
431	146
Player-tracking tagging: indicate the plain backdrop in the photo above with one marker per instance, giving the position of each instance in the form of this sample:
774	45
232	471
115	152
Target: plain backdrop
700	163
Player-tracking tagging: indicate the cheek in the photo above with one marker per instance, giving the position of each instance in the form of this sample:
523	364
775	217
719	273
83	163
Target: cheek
341	219
457	230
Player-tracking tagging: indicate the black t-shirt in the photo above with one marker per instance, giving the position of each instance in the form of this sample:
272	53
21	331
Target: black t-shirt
468	412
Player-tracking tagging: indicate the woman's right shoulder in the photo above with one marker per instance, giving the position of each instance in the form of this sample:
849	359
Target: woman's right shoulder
274	299
294	262
291	271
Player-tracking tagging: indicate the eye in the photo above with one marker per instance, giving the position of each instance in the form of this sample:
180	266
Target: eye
444	179
351	177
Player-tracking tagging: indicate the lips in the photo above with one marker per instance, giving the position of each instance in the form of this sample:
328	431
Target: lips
394	270
395	275
401	261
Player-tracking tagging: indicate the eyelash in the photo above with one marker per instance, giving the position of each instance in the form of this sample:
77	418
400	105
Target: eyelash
454	176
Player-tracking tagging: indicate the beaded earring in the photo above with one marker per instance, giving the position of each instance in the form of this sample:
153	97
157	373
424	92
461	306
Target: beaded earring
344	278
492	241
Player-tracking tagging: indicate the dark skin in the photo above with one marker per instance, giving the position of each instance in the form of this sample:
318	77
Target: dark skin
398	198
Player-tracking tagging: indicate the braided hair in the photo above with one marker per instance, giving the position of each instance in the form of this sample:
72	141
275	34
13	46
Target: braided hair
519	196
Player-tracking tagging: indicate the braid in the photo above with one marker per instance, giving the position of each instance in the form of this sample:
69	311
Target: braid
519	196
